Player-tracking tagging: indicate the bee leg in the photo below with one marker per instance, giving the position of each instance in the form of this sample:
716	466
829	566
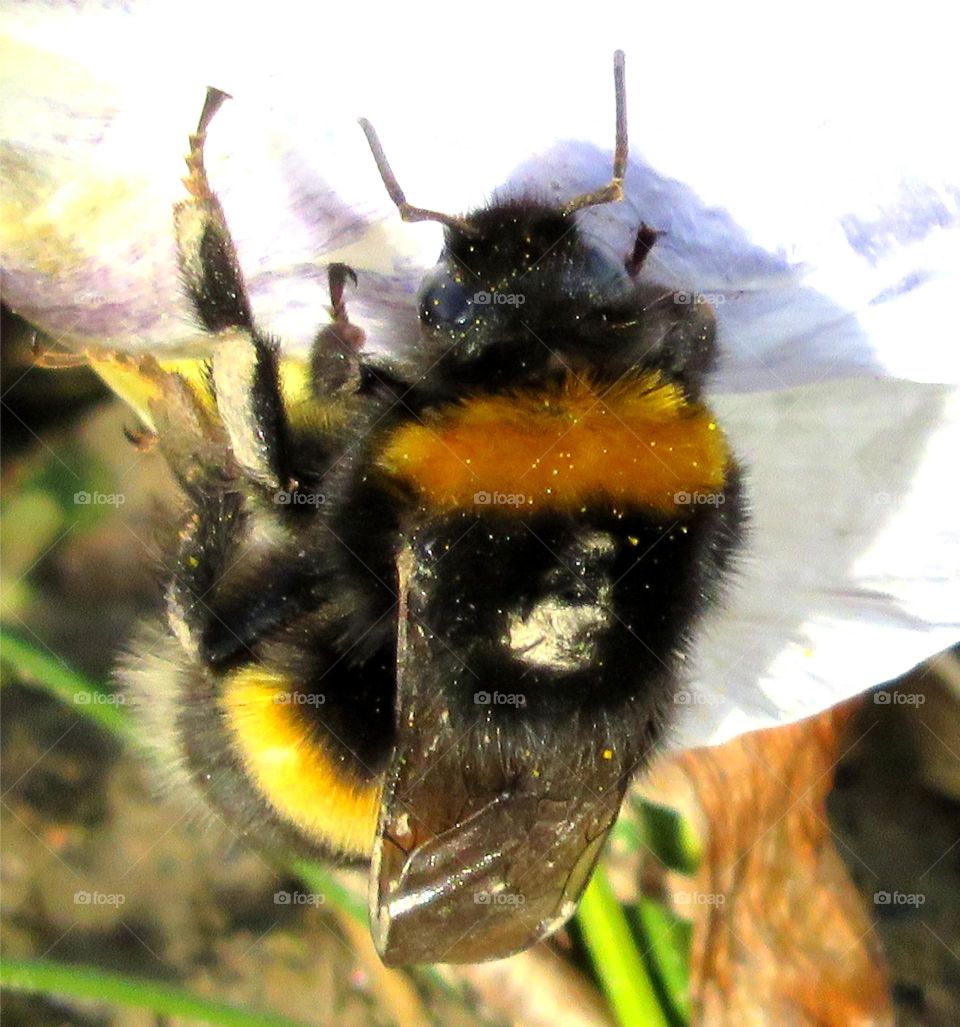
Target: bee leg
208	259
246	380
337	275
643	244
335	355
246	376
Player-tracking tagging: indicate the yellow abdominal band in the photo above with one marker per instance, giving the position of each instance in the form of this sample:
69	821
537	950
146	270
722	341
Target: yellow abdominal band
282	756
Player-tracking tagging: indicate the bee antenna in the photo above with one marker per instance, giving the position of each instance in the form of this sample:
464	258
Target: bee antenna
613	190
407	211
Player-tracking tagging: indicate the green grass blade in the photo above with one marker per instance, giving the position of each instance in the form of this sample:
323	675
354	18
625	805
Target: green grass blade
82	695
668	955
47	977
620	967
669	836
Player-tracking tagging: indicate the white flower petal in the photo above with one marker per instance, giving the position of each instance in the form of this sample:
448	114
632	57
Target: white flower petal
852	571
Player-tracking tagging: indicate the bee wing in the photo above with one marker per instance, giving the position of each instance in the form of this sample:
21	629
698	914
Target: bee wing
482	847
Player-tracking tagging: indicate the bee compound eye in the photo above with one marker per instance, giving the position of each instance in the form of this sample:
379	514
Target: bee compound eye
445	302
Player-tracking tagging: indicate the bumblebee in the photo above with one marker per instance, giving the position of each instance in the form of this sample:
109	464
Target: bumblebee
432	611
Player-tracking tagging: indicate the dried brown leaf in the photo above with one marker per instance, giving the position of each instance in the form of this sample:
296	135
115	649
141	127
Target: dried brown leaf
780	934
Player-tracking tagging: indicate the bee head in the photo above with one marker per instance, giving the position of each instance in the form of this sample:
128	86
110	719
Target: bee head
520	296
520	299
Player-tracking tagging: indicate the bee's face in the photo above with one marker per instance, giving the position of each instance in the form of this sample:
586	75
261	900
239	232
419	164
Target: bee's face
491	307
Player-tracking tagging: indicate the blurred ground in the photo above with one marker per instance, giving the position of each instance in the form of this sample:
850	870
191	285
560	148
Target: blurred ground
99	869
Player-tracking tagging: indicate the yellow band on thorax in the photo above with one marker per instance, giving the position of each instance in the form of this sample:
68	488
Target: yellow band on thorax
637	444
